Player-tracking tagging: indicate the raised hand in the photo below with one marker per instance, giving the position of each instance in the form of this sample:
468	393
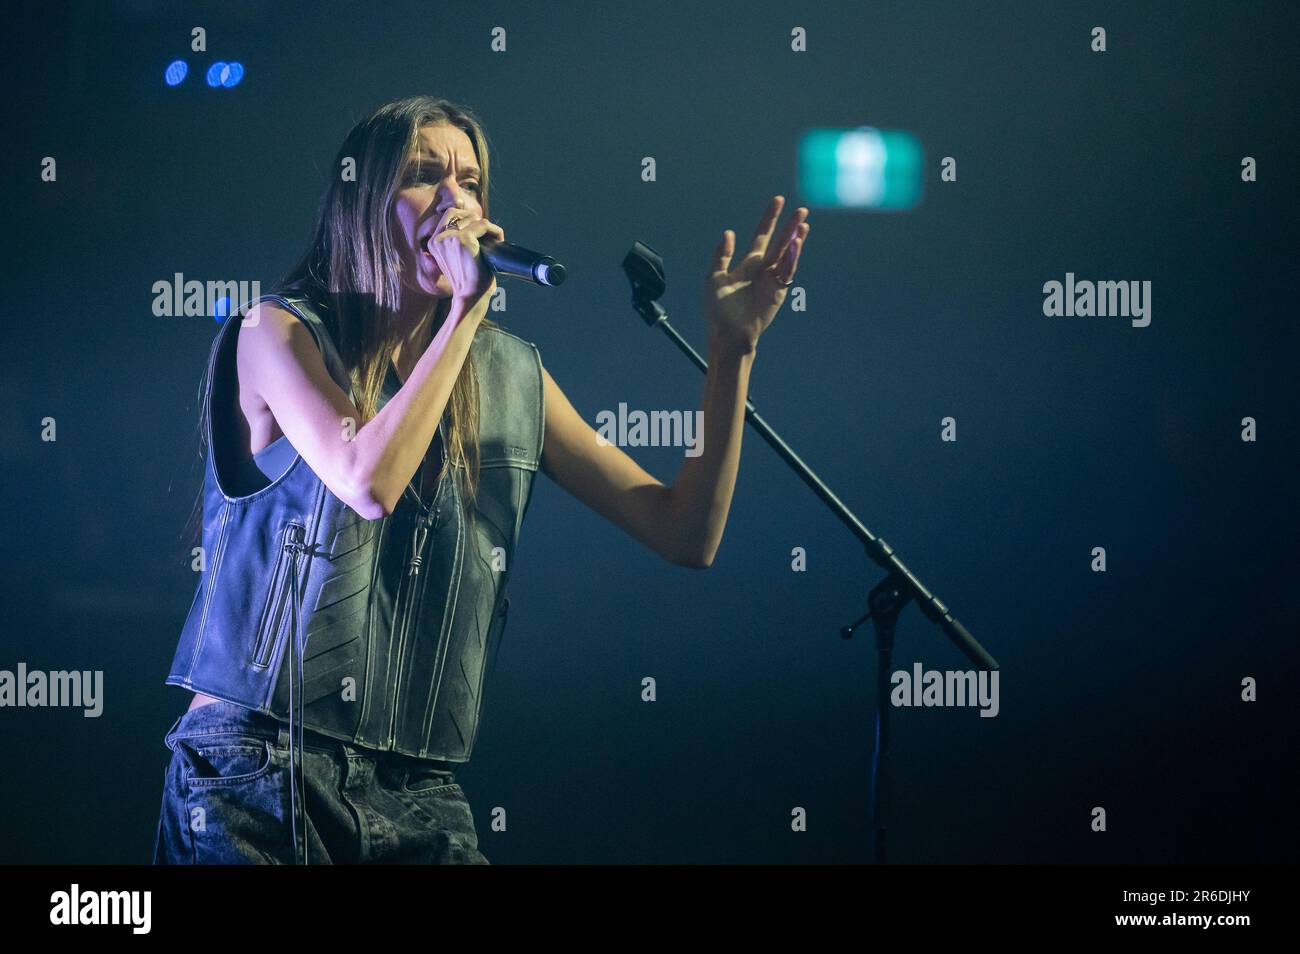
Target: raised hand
741	302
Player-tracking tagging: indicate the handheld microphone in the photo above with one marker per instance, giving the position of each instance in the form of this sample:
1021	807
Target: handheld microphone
514	261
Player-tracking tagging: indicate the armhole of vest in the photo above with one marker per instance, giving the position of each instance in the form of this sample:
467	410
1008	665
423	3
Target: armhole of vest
315	327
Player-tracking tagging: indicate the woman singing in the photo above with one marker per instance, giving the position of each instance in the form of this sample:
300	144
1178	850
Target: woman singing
371	443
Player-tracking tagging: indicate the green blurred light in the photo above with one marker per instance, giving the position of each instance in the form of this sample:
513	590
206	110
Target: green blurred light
862	168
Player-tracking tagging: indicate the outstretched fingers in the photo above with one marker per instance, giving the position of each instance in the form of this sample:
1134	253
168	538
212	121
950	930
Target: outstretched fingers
765	226
788	233
789	261
722	254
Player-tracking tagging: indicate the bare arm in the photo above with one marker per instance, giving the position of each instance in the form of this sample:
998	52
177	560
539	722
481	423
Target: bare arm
683	523
279	360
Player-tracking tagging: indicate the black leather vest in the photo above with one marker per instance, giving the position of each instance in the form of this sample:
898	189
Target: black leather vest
397	615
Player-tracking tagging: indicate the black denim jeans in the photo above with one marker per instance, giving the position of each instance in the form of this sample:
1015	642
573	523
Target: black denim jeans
226	798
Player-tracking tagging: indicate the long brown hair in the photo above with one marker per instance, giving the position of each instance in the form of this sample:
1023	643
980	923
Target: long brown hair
351	271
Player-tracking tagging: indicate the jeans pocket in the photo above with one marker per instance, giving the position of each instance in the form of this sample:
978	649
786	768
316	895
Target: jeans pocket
440	829
229	802
225	760
429	781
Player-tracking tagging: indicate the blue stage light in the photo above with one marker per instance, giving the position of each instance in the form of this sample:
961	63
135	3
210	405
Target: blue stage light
176	72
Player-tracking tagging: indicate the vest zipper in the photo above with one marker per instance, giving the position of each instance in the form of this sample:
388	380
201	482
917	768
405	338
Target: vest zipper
428	516
277	595
421	531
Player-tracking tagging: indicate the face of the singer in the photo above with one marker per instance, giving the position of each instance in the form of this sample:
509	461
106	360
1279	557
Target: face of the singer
443	171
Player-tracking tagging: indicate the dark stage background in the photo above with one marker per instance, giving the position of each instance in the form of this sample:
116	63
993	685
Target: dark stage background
1118	689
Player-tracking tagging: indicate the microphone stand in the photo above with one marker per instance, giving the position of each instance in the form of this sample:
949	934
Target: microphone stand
644	269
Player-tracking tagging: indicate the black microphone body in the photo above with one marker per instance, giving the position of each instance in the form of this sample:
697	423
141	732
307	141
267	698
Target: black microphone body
514	261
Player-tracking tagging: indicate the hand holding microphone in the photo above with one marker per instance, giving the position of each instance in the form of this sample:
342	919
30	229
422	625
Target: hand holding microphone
504	258
515	261
455	246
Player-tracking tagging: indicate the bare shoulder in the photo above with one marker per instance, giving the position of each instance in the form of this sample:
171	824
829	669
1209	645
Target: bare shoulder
267	321
273	341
